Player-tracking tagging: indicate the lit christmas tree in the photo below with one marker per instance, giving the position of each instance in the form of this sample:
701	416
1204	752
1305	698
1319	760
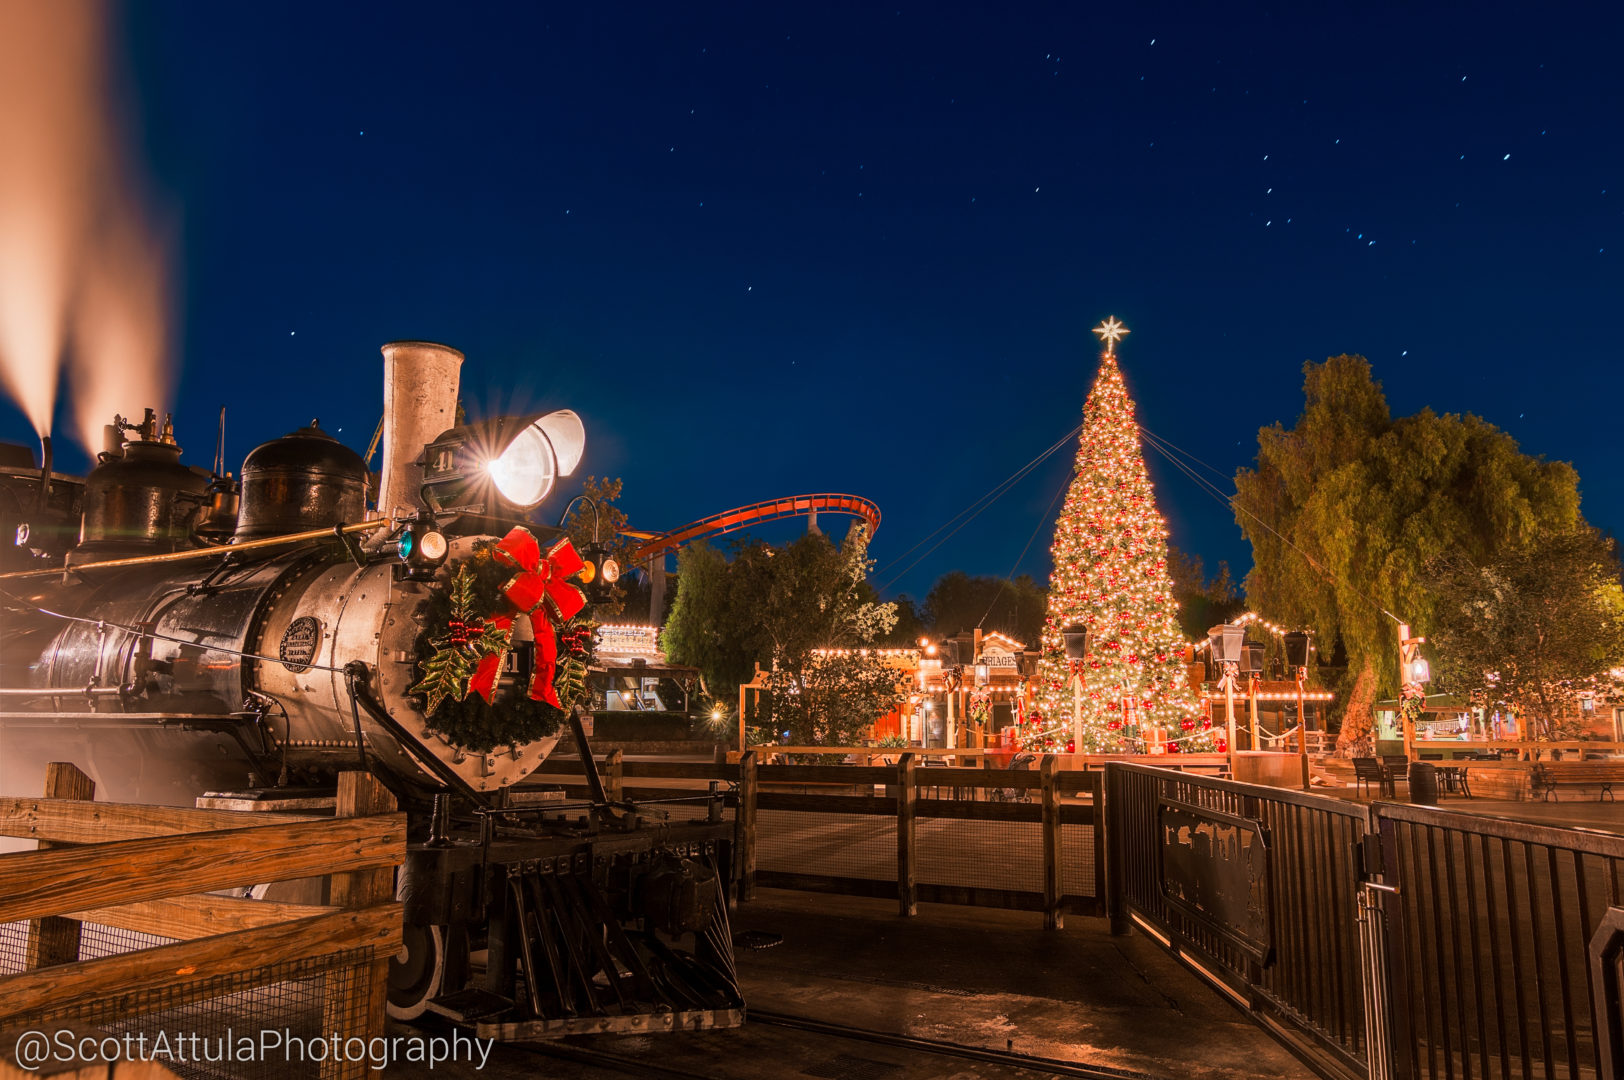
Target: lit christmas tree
1110	574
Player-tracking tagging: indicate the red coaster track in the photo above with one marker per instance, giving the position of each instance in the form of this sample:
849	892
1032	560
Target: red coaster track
771	510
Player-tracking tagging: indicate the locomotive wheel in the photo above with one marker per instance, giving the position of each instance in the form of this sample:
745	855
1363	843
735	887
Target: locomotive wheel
415	972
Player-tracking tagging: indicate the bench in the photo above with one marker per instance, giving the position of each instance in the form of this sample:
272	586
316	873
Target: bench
1547	775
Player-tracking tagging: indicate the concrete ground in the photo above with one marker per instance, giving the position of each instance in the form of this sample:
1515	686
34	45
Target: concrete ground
972	977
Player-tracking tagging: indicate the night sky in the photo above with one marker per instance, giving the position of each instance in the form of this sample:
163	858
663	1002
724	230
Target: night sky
766	249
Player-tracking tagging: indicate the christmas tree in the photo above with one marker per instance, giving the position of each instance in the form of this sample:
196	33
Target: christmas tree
1110	575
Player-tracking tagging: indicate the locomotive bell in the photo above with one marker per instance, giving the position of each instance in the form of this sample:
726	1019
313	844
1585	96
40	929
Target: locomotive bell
305	480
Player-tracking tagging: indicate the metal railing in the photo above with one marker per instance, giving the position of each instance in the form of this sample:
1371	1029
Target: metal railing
1495	928
1257	889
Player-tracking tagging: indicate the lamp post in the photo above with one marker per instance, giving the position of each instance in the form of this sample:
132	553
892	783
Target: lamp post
1075	637
1296	644
1228	642
1413	672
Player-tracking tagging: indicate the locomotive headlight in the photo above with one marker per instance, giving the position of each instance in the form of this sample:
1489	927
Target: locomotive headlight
510	463
422	549
610	571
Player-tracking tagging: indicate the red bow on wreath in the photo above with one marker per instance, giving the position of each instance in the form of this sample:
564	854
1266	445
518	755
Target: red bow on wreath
541	590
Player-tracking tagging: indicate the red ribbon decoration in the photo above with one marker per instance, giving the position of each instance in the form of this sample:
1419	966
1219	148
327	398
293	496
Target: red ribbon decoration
541	590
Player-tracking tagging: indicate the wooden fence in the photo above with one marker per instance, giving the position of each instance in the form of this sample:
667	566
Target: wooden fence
148	869
916	831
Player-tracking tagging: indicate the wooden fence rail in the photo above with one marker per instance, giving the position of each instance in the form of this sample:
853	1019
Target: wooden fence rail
1032	813
147	868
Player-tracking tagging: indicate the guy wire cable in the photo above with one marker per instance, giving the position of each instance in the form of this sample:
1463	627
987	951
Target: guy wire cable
1064	485
992	494
1232	501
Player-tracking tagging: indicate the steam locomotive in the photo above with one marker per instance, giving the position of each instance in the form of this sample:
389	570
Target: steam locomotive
180	635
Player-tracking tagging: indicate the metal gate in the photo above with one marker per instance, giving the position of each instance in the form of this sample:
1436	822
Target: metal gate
1505	943
1381	941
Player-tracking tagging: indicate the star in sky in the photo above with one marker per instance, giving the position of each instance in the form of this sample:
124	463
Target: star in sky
1111	332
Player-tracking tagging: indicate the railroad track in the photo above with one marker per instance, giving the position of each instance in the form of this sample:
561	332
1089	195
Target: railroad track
829	1037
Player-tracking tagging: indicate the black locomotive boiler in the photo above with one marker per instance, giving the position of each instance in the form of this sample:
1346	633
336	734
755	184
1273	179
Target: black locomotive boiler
183	635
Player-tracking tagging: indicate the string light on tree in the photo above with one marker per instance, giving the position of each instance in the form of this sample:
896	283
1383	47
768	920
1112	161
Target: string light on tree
1110	573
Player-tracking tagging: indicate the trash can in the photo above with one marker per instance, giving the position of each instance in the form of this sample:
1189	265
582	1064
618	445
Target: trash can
1423	783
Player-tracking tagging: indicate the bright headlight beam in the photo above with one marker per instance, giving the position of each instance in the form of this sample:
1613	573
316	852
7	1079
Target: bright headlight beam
525	471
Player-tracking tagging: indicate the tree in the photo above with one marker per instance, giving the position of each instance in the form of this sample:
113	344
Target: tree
1346	509
1203	604
806	612
1110	573
706	630
608	522
960	602
910	625
1533	627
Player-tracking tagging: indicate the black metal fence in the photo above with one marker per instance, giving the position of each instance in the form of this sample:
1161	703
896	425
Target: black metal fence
1491	963
1384	940
1254	887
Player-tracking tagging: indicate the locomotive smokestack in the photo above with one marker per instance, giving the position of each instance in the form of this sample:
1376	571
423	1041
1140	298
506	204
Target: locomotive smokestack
420	381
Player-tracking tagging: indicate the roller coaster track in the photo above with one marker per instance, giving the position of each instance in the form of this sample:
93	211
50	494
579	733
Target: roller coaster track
756	513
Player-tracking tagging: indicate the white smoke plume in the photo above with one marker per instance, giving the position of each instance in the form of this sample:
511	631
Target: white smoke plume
79	264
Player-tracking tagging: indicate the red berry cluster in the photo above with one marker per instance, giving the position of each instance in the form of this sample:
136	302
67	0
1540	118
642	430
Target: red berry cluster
577	642
462	633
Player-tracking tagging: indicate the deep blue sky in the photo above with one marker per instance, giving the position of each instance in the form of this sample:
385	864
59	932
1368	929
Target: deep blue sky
773	248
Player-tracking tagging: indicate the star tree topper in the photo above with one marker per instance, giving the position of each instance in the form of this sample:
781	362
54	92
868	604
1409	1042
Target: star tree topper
1111	332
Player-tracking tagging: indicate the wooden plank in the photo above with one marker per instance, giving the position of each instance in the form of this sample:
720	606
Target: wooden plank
54	940
166	966
70	821
826	804
907	845
34	883
974	778
614	775
190	917
1054	916
825	774
965	810
744	826
682	770
360	795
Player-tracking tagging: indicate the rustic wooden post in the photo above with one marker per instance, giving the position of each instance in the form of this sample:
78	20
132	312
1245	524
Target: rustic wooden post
53	939
614	775
359	795
1049	777
744	827
907	876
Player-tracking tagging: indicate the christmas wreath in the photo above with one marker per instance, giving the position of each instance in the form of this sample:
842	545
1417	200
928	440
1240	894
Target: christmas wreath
468	632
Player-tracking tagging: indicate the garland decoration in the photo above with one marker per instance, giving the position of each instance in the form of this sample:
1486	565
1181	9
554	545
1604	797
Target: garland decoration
469	632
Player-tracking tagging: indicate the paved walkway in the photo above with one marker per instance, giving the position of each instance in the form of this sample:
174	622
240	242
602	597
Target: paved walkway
969	976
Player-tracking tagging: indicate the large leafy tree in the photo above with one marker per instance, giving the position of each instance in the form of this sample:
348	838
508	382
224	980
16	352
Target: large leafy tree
806	612
1346	509
1532	627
